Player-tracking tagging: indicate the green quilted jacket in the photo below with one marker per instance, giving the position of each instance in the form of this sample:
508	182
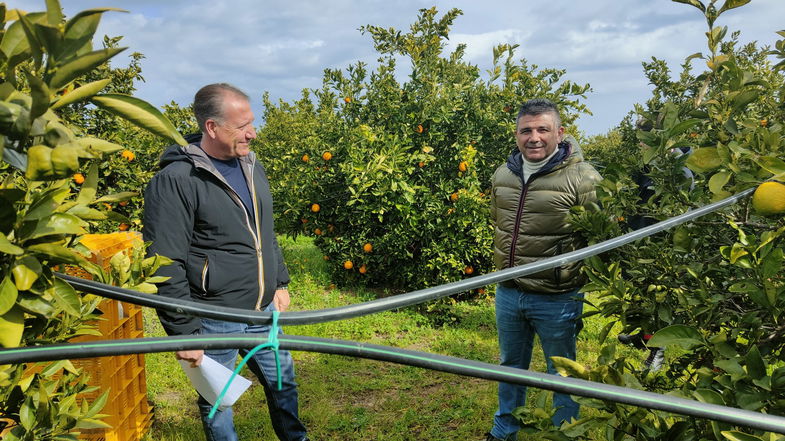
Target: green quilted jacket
530	221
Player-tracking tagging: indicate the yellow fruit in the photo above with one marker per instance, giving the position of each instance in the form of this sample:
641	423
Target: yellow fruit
463	166
769	198
348	264
367	247
128	155
315	208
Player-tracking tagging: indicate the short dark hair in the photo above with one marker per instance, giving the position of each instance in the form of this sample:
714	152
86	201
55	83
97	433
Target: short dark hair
208	102
538	106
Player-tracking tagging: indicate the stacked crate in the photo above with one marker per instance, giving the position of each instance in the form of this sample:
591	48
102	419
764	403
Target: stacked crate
127	408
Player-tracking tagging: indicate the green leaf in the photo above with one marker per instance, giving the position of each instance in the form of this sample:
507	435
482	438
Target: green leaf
682	127
708	396
58	223
53	368
741	100
730	366
89	186
97	405
57	253
704	159
140	113
771	164
12	325
26	270
95	147
117	197
147	288
73	69
8	295
39	163
66	297
570	368
695	3
718	180
54	14
756	366
6	247
65	159
734	435
682	335
35	304
732	4
86	213
80	93
40	94
27	413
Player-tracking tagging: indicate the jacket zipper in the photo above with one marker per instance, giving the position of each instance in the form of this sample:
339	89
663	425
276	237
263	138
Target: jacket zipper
255	235
204	274
258	241
517	225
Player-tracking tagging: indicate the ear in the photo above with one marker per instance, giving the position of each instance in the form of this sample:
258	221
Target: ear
560	133
210	127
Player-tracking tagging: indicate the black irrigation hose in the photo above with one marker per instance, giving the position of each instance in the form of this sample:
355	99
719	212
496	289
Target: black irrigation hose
393	302
572	386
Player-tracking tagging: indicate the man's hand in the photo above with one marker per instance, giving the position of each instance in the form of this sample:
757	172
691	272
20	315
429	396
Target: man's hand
281	300
194	357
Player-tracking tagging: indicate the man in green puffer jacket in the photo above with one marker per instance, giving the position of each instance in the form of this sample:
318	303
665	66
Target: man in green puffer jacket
530	202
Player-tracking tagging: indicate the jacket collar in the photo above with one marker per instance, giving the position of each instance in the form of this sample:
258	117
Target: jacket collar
515	160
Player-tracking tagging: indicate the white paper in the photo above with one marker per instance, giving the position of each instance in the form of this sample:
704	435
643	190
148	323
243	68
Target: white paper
210	378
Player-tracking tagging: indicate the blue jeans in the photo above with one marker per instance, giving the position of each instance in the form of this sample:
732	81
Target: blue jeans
555	318
281	403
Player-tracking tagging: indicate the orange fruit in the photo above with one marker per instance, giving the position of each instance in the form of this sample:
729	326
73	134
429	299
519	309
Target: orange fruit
327	156
421	164
481	291
367	247
304	220
419	128
463	166
468	270
79	178
454	197
315	208
693	135
123	227
507	109
306	157
764	122
317	232
347	99
348	264
122	203
107	206
129	155
363	269
326	257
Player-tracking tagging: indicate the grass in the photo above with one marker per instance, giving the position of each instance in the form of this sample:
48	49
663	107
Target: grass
344	398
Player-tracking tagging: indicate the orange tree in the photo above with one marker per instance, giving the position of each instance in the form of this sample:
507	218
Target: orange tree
712	291
391	178
48	199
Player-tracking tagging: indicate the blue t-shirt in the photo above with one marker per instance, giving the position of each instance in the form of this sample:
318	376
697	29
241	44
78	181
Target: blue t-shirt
233	173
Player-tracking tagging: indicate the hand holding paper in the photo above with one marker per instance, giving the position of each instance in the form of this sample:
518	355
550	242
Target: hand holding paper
210	378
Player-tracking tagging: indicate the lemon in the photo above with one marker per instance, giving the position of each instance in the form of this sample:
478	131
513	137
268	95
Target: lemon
769	198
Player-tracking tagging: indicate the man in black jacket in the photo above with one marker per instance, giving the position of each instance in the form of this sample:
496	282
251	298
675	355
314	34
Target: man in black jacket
209	209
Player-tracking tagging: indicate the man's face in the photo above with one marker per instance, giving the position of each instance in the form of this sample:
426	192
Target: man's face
537	136
234	134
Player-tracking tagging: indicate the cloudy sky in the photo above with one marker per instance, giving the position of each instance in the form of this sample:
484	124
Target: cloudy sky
283	46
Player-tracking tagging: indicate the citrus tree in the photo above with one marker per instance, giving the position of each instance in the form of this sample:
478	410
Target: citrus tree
49	199
711	291
392	178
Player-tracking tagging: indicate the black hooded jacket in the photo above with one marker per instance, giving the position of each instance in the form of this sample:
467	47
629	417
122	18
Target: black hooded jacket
221	257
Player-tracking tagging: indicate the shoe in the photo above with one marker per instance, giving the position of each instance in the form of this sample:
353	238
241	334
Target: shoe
638	341
490	437
654	361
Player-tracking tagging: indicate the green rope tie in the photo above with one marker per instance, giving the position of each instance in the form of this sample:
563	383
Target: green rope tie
272	343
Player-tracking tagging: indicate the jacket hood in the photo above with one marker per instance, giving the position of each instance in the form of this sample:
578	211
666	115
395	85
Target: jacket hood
567	149
192	153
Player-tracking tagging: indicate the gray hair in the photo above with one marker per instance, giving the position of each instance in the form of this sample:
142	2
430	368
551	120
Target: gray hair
538	106
208	102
